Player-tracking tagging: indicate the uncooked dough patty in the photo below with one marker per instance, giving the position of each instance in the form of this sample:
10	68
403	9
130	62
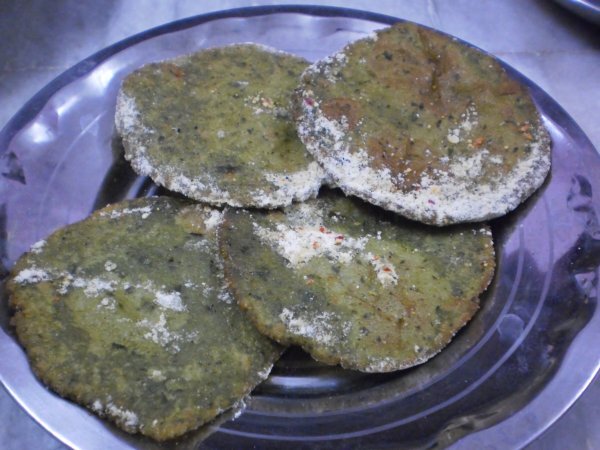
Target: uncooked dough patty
216	127
423	125
352	284
127	314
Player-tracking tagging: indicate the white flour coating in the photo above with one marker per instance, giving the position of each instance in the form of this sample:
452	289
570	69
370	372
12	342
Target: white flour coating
329	67
305	214
386	272
202	187
299	186
466	125
298	245
97	406
144	211
387	364
32	275
108	303
265	105
264	374
321	327
92	287
214	219
156	375
37	247
95	287
455	195
128	419
373	35
196	244
224	295
239	406
305	237
159	333
207	290
170	300
205	188
127	116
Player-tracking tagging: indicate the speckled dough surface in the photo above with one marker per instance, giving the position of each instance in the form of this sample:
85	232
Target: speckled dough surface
423	125
353	284
127	313
216	127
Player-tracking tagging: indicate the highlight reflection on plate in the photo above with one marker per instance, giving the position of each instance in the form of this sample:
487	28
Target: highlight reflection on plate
505	378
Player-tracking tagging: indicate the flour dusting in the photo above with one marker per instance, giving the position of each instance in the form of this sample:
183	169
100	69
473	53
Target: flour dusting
159	333
170	300
127	418
32	275
144	212
299	186
322	327
298	245
385	270
37	247
214	219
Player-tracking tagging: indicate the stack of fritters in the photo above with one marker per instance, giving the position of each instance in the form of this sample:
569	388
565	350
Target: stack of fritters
134	312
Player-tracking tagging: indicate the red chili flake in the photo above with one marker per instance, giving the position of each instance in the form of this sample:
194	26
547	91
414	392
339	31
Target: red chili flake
315	245
431	202
322	229
478	142
386	269
176	71
309	101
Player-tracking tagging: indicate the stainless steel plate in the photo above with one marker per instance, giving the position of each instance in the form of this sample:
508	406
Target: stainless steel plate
588	9
523	360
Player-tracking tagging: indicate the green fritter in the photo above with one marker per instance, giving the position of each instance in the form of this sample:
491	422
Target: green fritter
352	284
423	125
216	126
128	314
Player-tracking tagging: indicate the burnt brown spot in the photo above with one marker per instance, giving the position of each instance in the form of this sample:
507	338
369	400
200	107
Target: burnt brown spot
176	71
338	108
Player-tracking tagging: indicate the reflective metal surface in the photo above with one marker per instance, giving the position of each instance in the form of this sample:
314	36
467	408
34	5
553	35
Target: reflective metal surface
588	9
505	378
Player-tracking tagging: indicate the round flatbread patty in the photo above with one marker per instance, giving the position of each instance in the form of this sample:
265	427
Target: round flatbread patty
127	313
421	124
352	284
216	127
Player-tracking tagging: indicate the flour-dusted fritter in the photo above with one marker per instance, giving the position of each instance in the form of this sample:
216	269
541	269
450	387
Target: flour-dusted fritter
128	314
216	127
423	125
353	284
